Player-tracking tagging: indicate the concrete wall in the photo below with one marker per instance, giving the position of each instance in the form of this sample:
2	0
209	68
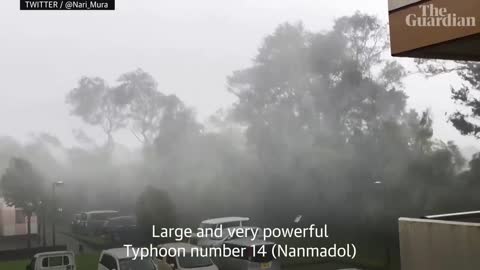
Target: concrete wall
439	245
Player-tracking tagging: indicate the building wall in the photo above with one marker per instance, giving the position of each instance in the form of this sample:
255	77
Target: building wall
395	4
406	38
10	226
440	245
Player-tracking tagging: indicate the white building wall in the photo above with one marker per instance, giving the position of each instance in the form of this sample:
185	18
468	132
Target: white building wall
8	226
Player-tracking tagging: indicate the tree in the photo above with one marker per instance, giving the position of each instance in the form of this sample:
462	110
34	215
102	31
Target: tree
22	187
465	120
135	103
154	207
150	113
94	102
313	103
305	88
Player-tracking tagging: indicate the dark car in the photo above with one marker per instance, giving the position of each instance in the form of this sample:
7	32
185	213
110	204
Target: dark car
76	224
120	228
92	222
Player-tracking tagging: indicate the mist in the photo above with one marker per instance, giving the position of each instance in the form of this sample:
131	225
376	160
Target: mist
320	127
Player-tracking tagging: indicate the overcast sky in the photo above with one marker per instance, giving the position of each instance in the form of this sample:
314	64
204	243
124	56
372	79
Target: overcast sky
188	46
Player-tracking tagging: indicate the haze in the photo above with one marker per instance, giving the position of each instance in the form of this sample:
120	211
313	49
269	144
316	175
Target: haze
188	46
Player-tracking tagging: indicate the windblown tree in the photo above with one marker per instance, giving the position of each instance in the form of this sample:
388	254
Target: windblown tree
150	112
134	103
22	187
154	207
466	118
94	102
312	102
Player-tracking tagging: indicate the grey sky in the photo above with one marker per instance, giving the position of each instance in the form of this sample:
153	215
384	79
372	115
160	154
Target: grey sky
188	46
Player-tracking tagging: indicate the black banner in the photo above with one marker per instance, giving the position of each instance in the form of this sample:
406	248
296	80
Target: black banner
67	4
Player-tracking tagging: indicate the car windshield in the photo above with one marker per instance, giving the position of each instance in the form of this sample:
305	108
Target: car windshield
102	216
130	264
245	233
124	221
194	262
239	232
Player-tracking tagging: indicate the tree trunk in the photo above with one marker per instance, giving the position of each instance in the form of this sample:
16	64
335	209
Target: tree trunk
29	231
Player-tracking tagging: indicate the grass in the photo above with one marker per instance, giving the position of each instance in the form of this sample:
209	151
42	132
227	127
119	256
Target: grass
84	262
15	265
94	241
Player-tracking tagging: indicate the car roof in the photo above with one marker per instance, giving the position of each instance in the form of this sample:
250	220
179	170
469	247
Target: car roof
101	212
53	253
225	220
177	245
248	242
123	217
119	253
244	227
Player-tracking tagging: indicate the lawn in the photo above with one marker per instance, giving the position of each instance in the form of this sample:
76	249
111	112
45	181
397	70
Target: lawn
84	262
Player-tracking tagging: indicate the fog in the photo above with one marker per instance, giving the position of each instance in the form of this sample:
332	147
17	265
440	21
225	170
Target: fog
170	40
310	119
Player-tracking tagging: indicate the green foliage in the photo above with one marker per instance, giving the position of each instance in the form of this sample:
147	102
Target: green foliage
308	94
22	186
135	103
154	207
83	262
465	119
94	102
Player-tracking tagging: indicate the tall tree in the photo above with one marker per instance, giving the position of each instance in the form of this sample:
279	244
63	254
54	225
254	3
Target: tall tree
22	187
313	102
466	118
150	113
94	102
154	207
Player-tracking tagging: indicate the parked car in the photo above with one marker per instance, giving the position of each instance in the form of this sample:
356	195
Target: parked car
92	222
76	223
119	259
183	262
55	260
225	222
248	262
123	228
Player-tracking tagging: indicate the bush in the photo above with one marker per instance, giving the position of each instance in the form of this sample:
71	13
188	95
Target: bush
154	207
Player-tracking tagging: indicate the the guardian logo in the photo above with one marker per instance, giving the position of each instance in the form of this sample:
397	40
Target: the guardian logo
432	16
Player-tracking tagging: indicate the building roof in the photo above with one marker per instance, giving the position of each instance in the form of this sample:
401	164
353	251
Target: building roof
225	220
455	216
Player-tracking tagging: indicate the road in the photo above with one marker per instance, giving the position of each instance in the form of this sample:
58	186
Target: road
71	243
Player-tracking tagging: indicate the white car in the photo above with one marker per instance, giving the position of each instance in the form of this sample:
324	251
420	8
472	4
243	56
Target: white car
188	261
55	260
119	259
224	222
248	262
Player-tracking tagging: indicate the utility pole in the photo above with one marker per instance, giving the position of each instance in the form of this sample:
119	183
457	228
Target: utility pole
54	209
